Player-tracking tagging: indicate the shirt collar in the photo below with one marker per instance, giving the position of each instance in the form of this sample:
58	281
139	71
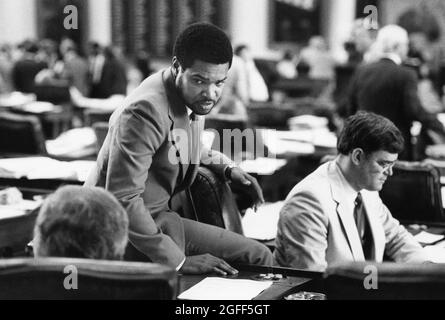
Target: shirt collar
393	57
349	192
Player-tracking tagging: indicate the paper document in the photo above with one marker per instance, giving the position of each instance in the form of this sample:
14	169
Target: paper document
262	225
435	253
262	166
427	238
18	209
45	168
213	288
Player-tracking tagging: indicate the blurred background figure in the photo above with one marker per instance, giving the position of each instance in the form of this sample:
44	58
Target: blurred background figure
6	64
319	59
75	68
257	88
27	67
107	72
287	66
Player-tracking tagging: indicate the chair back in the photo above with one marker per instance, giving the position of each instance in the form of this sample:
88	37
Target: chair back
209	200
21	134
72	279
413	193
384	281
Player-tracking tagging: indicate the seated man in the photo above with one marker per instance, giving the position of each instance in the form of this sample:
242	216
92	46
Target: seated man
81	222
335	214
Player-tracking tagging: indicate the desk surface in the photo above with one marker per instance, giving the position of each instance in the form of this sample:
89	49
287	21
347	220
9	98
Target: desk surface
293	281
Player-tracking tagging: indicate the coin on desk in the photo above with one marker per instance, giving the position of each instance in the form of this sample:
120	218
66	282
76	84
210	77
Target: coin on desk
304	295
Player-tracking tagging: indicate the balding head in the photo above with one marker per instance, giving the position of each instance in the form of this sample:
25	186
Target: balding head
393	39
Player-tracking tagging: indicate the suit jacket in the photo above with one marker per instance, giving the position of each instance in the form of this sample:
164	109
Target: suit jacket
152	151
113	80
385	88
316	227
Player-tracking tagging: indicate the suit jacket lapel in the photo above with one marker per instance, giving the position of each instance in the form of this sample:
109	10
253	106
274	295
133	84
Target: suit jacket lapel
180	131
344	211
378	235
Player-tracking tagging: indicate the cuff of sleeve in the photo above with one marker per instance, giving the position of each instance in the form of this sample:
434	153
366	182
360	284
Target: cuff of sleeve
180	265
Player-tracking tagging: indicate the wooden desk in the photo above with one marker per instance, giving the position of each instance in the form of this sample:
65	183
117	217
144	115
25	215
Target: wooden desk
15	233
294	281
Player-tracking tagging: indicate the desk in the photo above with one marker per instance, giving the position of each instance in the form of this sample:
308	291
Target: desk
294	281
15	233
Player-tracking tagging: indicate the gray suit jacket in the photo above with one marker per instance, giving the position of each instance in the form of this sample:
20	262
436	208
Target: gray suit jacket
152	151
316	227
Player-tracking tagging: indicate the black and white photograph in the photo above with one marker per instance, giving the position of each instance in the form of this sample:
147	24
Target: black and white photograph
226	156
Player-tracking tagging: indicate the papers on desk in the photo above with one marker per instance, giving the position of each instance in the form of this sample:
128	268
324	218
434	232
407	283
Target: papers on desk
263	224
75	143
16	99
40	107
262	166
428	238
298	141
435	253
277	145
44	168
18	209
213	288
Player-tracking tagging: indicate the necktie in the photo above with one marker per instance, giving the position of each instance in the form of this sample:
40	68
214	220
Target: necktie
363	227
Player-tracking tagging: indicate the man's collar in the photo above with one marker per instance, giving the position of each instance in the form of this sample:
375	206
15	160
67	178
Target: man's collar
393	57
349	192
177	103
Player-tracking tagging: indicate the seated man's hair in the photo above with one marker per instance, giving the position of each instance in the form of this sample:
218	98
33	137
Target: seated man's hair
370	132
81	222
205	42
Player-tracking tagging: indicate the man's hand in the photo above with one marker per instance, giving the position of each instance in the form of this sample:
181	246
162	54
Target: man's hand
243	179
206	263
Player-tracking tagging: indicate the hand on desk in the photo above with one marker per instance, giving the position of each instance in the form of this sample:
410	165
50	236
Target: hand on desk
206	263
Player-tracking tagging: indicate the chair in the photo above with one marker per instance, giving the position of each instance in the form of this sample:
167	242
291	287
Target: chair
209	200
413	193
384	281
21	134
47	278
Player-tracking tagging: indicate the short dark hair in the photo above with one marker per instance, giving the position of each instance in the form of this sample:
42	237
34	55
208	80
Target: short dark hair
205	42
81	222
370	132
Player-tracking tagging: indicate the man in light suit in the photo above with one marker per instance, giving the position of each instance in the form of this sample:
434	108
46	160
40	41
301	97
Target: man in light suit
335	214
152	151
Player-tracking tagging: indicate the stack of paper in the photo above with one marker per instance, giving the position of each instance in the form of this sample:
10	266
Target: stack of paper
44	168
262	166
77	142
213	288
263	224
278	146
18	209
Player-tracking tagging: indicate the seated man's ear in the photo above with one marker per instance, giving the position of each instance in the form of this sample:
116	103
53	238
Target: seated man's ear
357	155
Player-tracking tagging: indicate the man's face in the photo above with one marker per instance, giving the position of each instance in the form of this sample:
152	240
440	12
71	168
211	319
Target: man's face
375	168
201	85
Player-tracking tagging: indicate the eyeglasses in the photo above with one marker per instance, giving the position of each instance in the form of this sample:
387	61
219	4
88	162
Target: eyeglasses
386	165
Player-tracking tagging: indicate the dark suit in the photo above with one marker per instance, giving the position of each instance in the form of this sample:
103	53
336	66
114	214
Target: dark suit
390	90
151	152
113	80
